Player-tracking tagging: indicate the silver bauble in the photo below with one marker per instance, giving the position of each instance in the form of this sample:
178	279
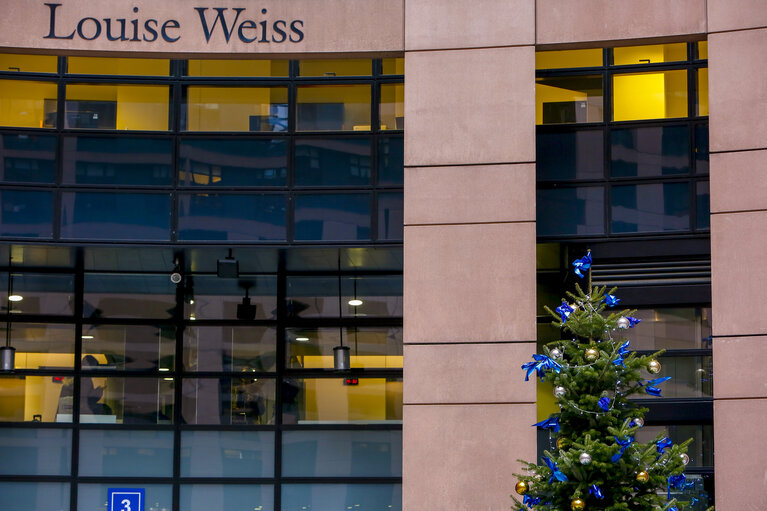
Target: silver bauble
584	458
638	421
559	391
556	353
623	323
685	458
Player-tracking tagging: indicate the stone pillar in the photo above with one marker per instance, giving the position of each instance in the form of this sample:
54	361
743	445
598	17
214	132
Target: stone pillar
469	297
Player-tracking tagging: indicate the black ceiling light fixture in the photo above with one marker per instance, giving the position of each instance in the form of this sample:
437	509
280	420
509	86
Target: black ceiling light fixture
245	310
229	267
341	353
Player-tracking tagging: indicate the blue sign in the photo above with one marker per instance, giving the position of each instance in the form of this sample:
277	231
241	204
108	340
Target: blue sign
125	499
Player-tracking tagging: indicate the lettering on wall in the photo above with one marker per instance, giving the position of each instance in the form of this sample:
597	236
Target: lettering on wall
222	23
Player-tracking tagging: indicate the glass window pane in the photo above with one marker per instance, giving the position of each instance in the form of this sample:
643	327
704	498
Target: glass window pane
31	398
371	347
701	450
372	296
390	216
332	217
560	59
257	217
701	149
570	155
228	401
650	152
126	453
232	162
35	496
332	497
91	497
332	401
41	293
312	297
658	95
26	214
35	452
392	107
650	54
701	104
118	160
128	296
121	107
118	66
217	298
568	99
342	453
332	161
260	68
28	158
26	104
672	328
394	66
43	346
226	497
578	210
690	377
230	348
333	108
129	347
28	63
113	400
651	207
335	67
702	50
391	161
702	205
110	216
227	454
235	109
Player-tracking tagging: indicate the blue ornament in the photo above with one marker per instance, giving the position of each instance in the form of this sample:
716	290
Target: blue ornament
622	352
625	444
663	444
555	472
584	263
604	403
596	492
633	321
564	311
531	501
551	423
611	300
540	365
650	387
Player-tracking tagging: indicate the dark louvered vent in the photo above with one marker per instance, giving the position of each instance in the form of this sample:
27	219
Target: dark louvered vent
656	273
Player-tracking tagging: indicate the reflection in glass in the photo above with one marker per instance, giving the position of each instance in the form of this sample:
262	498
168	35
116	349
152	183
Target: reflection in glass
128	296
578	210
126	453
690	376
230	348
570	155
335	67
30	451
702	205
332	401
30	398
91	497
130	347
650	152
701	149
216	298
381	296
391	219
114	400
391	157
701	450
392	106
230	68
371	347
232	162
658	95
244	400
679	328
333	108
227	454
332	161
568	99
27	158
331	497
651	207
560	59
332	217
26	214
109	216
226	497
240	217
121	107
26	104
117	160
235	109
42	346
649	54
28	63
117	66
342	453
41	293
20	496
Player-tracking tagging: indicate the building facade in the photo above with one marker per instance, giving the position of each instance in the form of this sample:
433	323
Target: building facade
201	204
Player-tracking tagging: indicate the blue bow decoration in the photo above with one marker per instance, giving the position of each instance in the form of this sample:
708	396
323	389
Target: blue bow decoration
596	492
673	509
584	263
564	311
678	483
693	501
550	423
625	444
555	472
663	444
604	403
622	352
540	365
650	387
611	300
531	501
633	321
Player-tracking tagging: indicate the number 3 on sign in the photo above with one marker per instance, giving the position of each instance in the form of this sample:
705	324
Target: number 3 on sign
126	505
125	499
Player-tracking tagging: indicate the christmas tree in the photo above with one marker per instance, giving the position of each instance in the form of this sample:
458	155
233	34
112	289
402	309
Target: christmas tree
597	463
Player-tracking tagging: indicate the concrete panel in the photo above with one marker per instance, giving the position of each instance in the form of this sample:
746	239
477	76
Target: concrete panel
470	106
604	20
739	467
327	26
469	283
468	373
726	15
738	182
472	193
738	370
462	457
437	24
737	95
738	257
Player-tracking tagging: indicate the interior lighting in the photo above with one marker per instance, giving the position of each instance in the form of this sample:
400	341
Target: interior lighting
86	337
302	339
15	298
355	302
164	369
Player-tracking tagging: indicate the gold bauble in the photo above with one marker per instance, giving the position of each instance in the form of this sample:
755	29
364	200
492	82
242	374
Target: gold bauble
521	487
643	476
577	505
592	354
561	442
654	366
